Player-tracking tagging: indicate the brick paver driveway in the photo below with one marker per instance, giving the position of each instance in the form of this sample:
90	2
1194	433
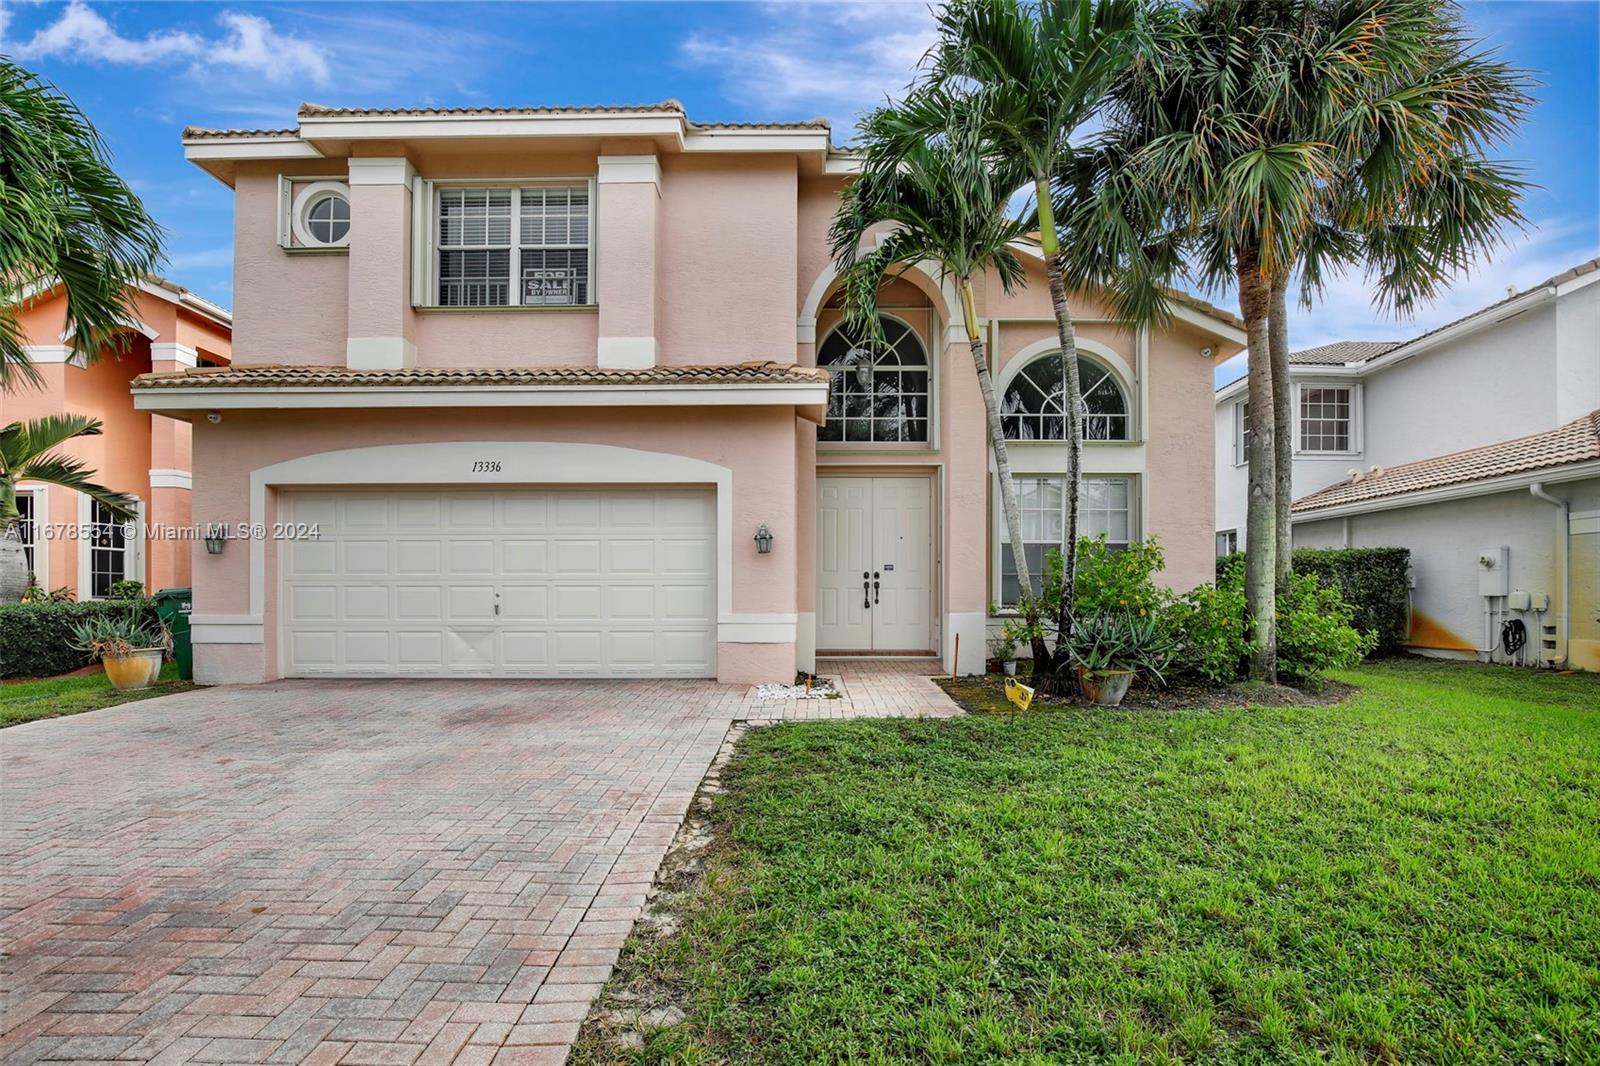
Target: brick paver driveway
357	872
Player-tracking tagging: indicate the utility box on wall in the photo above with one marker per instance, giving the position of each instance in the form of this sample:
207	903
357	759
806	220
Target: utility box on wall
1494	571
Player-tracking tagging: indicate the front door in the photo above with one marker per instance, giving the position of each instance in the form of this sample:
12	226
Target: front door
874	563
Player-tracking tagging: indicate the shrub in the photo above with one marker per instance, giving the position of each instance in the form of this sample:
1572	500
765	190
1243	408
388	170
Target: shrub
36	638
1370	580
1110	580
1315	633
127	590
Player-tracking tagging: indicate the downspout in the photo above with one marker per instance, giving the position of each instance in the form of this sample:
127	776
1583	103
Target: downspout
1564	537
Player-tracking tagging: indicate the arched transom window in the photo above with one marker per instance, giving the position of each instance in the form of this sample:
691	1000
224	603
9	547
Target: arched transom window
880	392
1034	407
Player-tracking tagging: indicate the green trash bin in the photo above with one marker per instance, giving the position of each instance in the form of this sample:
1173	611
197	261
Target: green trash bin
174	605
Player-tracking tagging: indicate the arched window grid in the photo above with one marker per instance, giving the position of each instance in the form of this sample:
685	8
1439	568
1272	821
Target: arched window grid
888	402
1033	407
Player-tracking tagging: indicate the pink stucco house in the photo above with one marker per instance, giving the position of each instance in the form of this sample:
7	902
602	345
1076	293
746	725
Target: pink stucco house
515	390
70	540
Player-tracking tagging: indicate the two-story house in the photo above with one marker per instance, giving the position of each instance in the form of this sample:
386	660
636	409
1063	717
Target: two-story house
1477	446
70	540
563	392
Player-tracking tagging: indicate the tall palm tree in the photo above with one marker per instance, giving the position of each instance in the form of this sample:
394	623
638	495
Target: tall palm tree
1411	116
1037	71
937	195
26	454
66	219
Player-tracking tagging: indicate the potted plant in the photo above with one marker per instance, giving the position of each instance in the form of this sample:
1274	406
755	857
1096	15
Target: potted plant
1110	650
130	648
1003	652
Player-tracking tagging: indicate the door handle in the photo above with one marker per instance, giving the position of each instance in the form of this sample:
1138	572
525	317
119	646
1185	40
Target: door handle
875	586
866	594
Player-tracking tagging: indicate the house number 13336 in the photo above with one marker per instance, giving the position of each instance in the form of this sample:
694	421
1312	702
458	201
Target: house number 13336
486	466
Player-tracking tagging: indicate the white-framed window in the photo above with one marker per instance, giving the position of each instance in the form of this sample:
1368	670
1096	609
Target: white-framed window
1034	405
1227	541
1326	419
1241	433
30	506
313	214
523	245
110	549
1106	505
880	393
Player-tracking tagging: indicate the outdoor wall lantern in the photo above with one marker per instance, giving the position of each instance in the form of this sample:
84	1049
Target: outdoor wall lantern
763	539
216	538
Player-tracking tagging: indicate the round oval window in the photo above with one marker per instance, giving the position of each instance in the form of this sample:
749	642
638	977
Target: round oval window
328	220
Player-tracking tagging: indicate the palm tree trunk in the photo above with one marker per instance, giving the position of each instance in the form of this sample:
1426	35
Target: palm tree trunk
1282	430
1073	402
1002	464
15	577
1261	552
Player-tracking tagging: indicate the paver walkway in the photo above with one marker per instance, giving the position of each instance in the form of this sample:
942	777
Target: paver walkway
351	872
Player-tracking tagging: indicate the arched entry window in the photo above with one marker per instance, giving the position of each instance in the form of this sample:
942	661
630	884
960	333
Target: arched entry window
880	393
1033	407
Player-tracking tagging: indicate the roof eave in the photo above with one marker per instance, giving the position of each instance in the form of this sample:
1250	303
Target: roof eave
1460	490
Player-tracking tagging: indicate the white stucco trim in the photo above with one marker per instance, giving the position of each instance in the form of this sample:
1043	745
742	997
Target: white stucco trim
226	629
812	304
46	354
521	463
1104	354
805	641
756	629
171	479
381	170
133	555
629	170
173	352
627	353
380	353
137	325
41	544
1512	482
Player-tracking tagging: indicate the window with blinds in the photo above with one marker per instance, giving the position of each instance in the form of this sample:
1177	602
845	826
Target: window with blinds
514	247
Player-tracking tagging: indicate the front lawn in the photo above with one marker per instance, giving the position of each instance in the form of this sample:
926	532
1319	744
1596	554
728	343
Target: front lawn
51	697
1410	876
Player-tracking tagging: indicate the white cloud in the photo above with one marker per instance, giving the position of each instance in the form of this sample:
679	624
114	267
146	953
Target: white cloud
1345	310
832	60
246	43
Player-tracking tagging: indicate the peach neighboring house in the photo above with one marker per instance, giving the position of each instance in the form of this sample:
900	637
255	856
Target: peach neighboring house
564	392
71	540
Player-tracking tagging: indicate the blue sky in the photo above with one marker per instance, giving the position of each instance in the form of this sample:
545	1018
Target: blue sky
143	71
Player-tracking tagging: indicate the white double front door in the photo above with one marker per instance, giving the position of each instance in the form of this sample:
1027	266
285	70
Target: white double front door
874	563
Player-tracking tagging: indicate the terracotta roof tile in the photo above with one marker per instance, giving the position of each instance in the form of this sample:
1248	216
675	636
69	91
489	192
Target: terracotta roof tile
1341	352
668	106
276	376
1576	442
203	133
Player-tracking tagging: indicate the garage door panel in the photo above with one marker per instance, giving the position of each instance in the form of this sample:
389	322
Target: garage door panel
418	603
418	557
365	557
615	583
365	603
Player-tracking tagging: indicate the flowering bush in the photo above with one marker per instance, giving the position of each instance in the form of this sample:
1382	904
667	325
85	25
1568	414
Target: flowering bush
1110	580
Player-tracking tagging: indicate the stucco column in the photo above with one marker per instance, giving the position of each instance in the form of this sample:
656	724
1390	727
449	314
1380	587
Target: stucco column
628	194
805	556
168	510
380	316
966	508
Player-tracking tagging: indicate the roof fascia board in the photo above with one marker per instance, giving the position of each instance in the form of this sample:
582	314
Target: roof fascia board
427	127
236	149
1476	323
756	140
186	398
1465	490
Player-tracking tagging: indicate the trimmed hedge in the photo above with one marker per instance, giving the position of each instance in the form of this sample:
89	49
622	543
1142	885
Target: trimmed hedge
34	636
1372	580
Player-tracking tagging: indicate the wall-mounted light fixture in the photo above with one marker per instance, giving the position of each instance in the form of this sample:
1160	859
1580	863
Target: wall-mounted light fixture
763	539
216	538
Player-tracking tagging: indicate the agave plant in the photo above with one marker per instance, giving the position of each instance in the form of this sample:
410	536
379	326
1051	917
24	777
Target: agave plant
117	635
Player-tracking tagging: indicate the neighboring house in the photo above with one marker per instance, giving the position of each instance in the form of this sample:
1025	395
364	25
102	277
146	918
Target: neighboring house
71	540
1437	444
566	392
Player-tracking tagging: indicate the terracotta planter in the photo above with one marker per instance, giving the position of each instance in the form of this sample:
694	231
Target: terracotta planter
1104	688
135	671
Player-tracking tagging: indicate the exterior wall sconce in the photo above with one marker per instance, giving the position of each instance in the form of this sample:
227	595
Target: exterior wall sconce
216	538
763	540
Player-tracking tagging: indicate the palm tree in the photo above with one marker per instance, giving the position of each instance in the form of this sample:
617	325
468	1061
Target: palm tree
1037	72
939	195
65	219
26	455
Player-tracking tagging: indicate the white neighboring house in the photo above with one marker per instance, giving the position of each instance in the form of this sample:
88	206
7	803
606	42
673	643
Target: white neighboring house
1477	446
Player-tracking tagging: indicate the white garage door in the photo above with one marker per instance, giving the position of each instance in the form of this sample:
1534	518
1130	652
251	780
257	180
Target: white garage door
506	583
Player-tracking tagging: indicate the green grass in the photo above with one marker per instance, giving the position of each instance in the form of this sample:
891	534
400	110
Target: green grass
52	697
1410	876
